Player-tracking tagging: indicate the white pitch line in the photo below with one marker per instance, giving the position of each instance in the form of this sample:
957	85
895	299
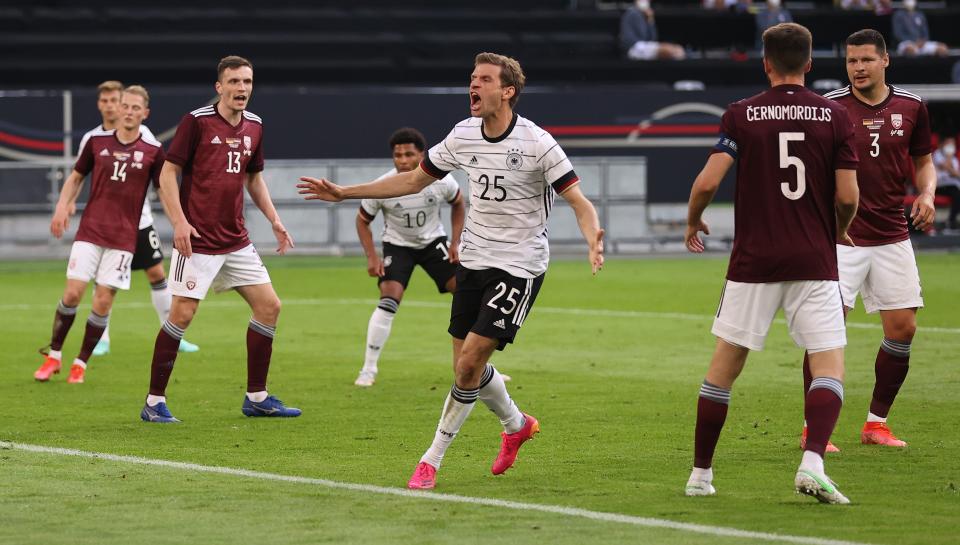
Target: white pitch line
449	498
446	305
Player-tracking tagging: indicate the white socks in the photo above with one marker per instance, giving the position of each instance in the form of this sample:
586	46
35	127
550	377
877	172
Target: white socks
493	392
700	474
812	461
378	331
55	354
451	419
257	397
152	400
874	418
81	363
161	298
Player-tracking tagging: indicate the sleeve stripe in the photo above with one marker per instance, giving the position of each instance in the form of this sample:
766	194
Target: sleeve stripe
431	169
565	182
455	197
366	215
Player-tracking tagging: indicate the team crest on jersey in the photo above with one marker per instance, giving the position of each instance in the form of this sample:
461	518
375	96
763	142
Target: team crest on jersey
104	152
247	143
190	283
137	159
873	124
233	142
514	159
896	120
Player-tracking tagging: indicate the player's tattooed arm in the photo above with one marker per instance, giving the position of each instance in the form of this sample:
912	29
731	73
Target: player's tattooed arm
260	195
169	194
589	224
701	194
66	204
847	198
398	185
924	213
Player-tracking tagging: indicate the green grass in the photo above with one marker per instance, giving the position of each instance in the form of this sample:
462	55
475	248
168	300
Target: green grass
615	396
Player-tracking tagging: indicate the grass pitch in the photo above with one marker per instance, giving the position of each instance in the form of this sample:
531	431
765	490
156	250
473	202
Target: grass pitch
610	365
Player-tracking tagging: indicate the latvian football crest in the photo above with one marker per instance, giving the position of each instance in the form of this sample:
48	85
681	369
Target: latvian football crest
896	120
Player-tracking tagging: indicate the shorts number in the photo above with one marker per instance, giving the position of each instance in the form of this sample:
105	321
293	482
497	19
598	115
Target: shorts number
119	172
233	162
443	248
787	160
501	290
420	219
154	240
485	180
875	145
124	267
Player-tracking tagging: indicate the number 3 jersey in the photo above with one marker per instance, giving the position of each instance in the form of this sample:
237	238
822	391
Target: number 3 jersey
118	187
412	221
787	141
889	135
216	158
513	181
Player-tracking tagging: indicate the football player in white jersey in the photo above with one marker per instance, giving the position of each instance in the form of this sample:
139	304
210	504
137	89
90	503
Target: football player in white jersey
412	235
515	170
148	256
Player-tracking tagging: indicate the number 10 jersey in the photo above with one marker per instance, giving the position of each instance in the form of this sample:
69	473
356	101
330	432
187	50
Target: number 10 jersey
412	221
513	180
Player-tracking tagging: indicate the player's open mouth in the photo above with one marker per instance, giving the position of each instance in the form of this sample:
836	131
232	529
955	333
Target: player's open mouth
240	98
474	101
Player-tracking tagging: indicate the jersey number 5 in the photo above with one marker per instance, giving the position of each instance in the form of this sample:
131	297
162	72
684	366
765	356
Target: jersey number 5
787	160
233	162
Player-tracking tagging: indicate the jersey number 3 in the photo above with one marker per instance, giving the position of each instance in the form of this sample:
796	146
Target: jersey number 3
787	160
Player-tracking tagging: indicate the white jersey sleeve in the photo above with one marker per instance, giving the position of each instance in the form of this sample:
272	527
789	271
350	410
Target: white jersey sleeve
442	159
449	188
412	221
557	170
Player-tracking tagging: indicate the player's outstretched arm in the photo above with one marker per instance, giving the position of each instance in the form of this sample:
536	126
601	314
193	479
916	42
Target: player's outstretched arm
847	199
169	194
458	212
66	204
924	213
589	224
365	234
702	192
398	185
260	195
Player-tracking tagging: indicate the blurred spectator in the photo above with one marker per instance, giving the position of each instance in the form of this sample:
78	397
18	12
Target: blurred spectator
773	15
911	31
724	5
948	177
638	35
880	7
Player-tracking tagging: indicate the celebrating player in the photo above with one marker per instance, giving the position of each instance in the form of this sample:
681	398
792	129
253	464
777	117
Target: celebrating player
795	197
893	140
515	170
123	160
412	235
218	150
148	255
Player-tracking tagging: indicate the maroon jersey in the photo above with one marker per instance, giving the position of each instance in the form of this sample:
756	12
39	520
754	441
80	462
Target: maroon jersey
216	158
118	187
889	135
788	141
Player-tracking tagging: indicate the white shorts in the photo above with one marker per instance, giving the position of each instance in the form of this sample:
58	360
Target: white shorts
886	277
193	276
643	51
106	266
813	308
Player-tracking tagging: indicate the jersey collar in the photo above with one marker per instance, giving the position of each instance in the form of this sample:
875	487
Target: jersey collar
506	133
216	112
877	106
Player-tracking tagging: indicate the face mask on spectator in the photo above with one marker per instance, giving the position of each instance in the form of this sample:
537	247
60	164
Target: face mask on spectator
643	4
949	150
909	4
773	4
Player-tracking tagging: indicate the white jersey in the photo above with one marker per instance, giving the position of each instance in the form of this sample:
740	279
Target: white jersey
146	215
413	220
513	181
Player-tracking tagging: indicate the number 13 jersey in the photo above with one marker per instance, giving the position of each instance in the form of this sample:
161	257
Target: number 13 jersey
216	158
513	180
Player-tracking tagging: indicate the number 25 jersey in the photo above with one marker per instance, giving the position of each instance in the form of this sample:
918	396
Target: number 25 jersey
787	141
216	158
513	180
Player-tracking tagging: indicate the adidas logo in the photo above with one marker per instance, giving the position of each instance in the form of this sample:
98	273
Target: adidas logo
157	254
216	140
104	152
474	161
499	323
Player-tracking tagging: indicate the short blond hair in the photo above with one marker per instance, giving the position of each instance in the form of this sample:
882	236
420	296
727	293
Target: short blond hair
511	74
140	91
109	86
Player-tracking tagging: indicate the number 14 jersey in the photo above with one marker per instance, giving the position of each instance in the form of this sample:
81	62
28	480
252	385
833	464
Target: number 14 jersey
513	180
787	141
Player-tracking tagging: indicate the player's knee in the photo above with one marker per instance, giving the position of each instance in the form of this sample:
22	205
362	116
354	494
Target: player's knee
155	274
270	309
72	296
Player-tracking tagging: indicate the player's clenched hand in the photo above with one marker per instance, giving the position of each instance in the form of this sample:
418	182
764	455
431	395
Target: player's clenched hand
60	222
596	252
375	266
844	238
923	212
284	240
181	238
691	237
324	190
